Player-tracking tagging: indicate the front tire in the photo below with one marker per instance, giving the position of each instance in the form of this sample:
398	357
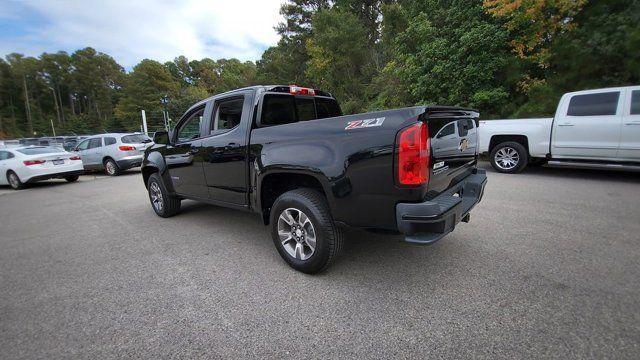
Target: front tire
509	157
164	204
304	232
111	167
14	181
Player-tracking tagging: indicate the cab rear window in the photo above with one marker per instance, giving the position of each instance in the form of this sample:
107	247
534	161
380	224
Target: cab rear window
280	109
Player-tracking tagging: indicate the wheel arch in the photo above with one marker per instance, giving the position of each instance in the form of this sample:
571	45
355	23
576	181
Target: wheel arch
154	163
276	183
499	139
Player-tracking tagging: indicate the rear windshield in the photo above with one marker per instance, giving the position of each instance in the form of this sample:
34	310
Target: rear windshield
284	109
135	139
39	150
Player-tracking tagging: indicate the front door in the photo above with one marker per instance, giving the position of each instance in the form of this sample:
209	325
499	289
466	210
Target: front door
225	150
589	127
630	138
183	156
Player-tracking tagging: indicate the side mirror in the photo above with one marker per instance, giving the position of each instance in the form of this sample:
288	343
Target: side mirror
161	137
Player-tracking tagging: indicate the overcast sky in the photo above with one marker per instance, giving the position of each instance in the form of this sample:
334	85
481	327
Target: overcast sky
131	30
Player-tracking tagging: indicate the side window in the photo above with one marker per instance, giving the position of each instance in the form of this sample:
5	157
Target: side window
464	126
327	108
635	102
449	129
306	109
227	115
278	110
83	145
4	155
109	141
95	143
594	104
190	129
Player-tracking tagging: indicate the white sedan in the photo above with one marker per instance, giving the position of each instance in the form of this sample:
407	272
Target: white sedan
22	165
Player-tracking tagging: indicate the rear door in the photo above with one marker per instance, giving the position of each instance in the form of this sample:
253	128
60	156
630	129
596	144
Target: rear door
225	149
588	126
630	137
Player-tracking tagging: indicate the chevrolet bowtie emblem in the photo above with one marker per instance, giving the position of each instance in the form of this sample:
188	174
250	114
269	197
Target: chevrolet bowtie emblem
464	144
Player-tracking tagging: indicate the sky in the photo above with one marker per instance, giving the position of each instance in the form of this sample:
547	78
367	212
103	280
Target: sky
132	30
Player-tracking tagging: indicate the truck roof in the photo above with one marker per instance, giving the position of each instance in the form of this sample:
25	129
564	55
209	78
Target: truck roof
258	88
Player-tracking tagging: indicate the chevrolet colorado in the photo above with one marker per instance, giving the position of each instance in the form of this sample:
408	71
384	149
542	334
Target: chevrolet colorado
596	129
287	153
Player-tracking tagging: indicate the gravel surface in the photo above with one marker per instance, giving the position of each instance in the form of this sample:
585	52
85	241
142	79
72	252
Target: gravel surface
548	267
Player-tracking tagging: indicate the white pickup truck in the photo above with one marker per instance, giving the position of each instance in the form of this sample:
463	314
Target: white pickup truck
597	129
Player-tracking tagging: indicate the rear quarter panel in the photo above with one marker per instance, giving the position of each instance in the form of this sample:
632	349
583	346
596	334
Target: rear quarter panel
354	166
537	131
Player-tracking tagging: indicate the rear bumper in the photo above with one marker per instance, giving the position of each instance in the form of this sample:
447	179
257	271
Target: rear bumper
429	221
129	162
59	175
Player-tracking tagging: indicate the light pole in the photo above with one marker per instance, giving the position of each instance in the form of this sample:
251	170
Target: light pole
164	101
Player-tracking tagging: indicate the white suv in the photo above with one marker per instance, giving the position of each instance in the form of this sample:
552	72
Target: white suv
113	153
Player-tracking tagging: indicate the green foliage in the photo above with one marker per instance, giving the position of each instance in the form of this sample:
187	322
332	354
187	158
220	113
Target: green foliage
145	86
508	58
339	57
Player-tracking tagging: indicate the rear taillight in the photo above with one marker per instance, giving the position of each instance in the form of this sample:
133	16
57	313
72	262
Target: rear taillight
33	162
126	148
297	90
74	158
413	155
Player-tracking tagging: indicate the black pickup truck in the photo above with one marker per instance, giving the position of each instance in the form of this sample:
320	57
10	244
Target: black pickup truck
288	153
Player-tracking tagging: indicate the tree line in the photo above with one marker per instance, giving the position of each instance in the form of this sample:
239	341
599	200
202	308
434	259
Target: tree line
507	58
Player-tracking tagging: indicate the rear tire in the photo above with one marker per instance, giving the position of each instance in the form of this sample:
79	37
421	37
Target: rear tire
304	232
111	167
164	204
14	181
72	178
509	157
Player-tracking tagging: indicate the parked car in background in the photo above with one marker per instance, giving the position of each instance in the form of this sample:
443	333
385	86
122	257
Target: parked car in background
598	129
9	143
29	141
113	153
23	165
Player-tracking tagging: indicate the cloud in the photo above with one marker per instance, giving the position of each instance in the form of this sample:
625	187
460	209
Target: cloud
133	30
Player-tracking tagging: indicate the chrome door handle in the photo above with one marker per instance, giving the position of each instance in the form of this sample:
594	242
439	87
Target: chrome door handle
633	123
566	124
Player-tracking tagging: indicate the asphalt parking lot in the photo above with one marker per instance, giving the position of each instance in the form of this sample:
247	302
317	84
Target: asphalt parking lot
548	267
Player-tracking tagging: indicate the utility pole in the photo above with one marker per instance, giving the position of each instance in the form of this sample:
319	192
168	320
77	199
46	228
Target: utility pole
26	103
55	101
53	129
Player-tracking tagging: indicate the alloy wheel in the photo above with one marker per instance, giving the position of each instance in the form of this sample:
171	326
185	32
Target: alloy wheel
297	235
111	167
507	158
14	181
156	197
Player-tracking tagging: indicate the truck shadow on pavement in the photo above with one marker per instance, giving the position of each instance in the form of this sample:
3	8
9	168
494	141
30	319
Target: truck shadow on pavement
365	255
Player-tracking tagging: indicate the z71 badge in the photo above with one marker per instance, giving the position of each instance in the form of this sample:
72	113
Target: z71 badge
357	124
